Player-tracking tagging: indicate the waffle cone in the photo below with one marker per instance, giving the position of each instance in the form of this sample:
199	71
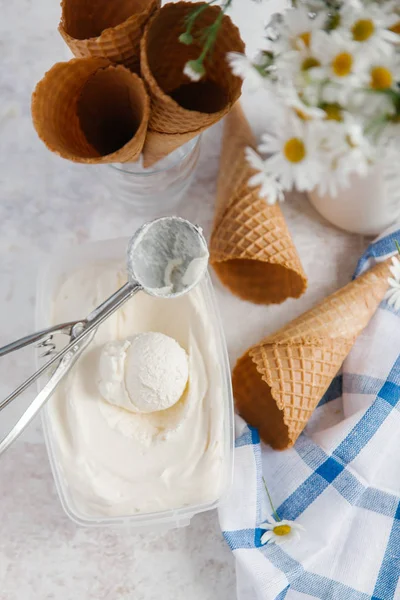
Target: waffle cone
106	29
89	111
181	108
251	249
278	383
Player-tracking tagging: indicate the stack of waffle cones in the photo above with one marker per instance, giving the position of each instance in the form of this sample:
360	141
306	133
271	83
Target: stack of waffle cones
97	109
251	248
278	382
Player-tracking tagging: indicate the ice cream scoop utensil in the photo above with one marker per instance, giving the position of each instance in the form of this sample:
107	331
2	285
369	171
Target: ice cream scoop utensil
166	258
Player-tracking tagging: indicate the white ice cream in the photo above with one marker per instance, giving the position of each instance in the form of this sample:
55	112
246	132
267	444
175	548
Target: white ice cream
119	462
144	374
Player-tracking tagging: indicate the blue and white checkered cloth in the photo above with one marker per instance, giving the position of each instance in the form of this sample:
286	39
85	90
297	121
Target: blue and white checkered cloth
341	481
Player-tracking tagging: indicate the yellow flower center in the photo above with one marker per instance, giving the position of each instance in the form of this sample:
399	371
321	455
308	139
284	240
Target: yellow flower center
342	64
282	530
395	28
363	29
309	63
381	78
294	150
301	114
333	112
306	38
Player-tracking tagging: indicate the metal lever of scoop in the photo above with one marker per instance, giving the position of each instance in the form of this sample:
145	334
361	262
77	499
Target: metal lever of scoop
63	368
80	330
38	337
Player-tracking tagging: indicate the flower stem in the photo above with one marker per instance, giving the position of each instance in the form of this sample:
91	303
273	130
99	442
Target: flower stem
211	33
193	16
211	37
397	246
277	517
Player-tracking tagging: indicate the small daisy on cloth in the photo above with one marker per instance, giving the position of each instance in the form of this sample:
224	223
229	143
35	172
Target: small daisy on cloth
335	534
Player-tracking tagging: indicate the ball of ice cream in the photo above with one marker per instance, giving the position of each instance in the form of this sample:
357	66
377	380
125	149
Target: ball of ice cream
146	373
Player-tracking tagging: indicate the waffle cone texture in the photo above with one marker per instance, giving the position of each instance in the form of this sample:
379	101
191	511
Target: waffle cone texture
278	383
109	29
251	249
182	109
90	111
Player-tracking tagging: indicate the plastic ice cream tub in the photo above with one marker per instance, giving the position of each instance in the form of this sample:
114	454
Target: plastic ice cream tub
49	281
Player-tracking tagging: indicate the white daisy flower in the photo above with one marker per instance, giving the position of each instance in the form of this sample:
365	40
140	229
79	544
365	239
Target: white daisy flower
369	25
335	174
294	156
378	77
346	150
311	93
270	188
333	178
194	70
242	67
393	293
296	62
340	60
280	532
359	154
306	107
304	111
297	28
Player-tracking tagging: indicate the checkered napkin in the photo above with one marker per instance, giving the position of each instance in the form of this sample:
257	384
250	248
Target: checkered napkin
341	481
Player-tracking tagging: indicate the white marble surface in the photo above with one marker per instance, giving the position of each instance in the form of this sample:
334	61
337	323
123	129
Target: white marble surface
46	202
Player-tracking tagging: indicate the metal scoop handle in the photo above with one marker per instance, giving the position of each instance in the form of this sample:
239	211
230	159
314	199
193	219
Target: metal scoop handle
82	333
165	247
63	368
38	337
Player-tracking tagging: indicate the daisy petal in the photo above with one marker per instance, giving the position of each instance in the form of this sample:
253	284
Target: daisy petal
256	180
267	536
393	283
254	159
269	520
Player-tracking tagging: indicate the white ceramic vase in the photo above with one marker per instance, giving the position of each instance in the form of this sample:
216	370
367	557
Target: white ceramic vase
369	205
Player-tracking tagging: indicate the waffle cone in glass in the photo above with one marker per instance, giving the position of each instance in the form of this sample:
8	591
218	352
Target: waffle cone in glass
181	109
106	28
251	249
279	382
89	111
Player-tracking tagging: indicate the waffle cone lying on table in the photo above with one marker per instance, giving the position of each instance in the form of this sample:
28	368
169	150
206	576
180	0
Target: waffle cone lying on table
87	110
278	383
181	109
109	29
251	249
